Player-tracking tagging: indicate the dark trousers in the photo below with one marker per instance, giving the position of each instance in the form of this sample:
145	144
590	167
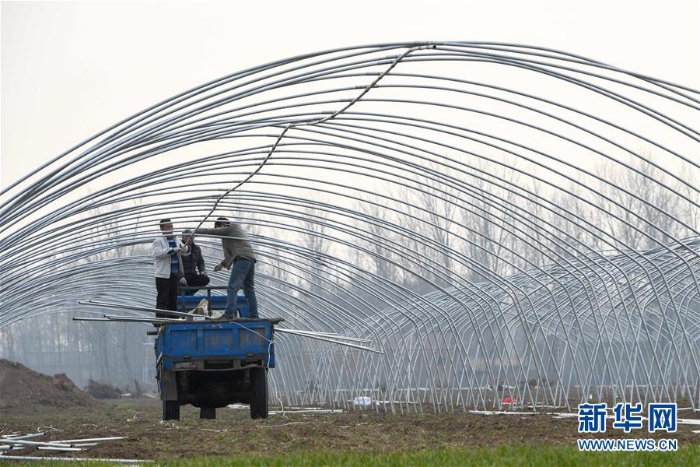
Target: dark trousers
167	295
195	280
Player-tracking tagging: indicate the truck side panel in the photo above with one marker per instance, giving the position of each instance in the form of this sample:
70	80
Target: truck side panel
210	341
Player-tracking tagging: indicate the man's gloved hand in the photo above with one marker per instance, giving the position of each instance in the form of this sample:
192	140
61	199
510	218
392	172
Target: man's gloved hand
183	281
204	273
218	268
184	249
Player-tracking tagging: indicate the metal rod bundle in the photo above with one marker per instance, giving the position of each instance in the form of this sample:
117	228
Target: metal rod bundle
188	317
15	442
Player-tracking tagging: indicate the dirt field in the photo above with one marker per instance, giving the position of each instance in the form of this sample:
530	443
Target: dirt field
233	432
30	402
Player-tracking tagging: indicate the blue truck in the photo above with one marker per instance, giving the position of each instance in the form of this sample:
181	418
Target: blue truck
211	364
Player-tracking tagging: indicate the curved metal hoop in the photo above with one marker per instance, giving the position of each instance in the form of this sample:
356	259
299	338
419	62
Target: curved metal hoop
503	221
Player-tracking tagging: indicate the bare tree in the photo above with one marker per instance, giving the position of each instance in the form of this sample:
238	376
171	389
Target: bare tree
638	208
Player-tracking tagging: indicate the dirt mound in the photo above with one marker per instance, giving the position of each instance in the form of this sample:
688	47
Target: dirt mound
100	390
24	389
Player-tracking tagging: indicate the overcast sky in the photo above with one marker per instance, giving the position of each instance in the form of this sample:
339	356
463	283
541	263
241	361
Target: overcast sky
71	69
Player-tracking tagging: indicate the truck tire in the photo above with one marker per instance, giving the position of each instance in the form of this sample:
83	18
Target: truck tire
171	410
207	412
258	393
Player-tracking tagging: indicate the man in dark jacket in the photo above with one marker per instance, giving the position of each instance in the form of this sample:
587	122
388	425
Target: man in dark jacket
195	273
240	258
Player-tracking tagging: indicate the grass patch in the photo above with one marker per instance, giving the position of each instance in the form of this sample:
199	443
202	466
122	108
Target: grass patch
503	456
126	406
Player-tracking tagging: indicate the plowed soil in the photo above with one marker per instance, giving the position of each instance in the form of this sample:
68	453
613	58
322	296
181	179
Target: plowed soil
146	436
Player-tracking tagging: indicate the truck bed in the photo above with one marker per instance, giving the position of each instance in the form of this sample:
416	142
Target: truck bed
221	345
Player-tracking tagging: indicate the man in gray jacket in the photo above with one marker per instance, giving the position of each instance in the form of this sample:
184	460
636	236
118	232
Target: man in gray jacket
240	258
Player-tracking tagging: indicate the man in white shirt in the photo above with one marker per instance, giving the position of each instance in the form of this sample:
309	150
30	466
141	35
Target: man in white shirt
168	267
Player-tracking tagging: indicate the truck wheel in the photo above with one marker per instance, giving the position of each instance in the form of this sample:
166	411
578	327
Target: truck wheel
207	412
258	393
171	410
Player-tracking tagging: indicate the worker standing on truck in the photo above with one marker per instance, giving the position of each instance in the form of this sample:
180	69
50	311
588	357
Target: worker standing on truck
240	258
168	267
